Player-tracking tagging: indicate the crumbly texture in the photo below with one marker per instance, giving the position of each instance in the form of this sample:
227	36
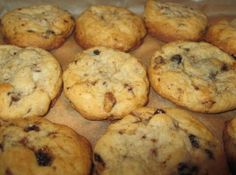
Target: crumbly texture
44	26
109	26
104	83
198	76
229	139
171	21
29	79
157	141
223	35
35	146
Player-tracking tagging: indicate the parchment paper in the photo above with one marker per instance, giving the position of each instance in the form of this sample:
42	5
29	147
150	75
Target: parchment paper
62	111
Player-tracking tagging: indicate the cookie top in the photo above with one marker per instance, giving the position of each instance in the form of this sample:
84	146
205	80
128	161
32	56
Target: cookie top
109	26
104	83
229	138
172	21
29	79
194	75
44	26
36	146
157	141
223	35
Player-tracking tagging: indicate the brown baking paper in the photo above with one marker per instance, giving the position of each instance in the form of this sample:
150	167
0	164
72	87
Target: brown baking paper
62	111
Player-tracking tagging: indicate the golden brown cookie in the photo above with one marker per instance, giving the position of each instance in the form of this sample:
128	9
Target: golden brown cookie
104	83
30	78
223	35
36	146
172	21
195	75
165	141
109	26
44	26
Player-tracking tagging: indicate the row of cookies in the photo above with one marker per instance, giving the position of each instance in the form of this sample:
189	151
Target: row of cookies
153	141
48	27
110	101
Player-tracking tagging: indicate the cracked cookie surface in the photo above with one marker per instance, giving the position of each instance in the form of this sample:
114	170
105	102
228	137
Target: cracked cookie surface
104	83
198	76
44	26
157	141
36	146
223	35
109	26
172	21
29	79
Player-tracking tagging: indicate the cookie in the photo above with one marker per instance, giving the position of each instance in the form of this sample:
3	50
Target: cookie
172	21
223	35
44	26
197	76
30	78
109	26
157	141
229	139
104	83
37	146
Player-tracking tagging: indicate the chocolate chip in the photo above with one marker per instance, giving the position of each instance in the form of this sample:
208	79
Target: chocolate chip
96	52
154	152
144	137
23	141
176	58
109	101
65	21
159	111
43	157
15	97
50	32
194	141
209	154
32	128
186	49
98	159
186	169
30	31
224	67
234	56
8	172
1	147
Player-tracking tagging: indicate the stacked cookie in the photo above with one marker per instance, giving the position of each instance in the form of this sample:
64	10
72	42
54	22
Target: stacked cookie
104	82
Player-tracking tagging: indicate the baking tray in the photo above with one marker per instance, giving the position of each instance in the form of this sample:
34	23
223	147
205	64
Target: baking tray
62	111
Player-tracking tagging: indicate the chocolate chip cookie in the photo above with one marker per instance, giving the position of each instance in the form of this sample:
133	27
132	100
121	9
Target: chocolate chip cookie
44	26
158	141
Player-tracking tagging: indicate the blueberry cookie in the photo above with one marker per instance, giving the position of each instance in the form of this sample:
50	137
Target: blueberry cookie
223	35
104	83
171	21
36	146
44	26
109	26
198	76
229	138
30	78
164	141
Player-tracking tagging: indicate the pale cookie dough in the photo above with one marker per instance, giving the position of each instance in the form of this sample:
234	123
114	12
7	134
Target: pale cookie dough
35	146
29	79
44	26
198	76
229	138
165	141
172	21
223	35
104	83
109	26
